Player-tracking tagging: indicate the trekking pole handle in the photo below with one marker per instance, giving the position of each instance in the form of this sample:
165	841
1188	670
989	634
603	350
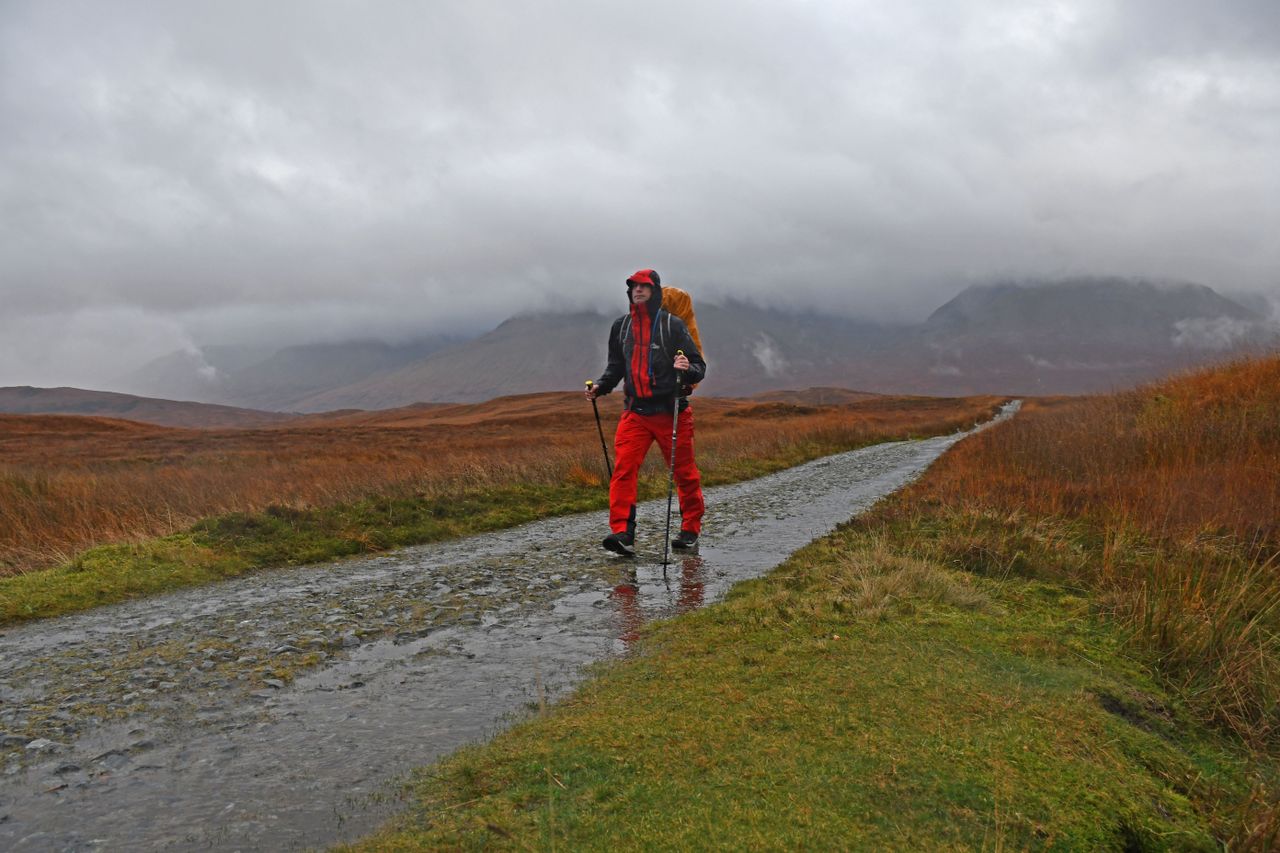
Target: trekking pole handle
595	408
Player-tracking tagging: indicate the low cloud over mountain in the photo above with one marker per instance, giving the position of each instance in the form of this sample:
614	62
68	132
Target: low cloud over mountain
1073	336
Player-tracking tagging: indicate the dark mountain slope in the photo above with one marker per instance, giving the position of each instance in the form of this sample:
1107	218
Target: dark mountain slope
25	400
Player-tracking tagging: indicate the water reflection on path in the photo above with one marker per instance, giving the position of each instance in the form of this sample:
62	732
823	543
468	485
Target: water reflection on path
691	591
312	764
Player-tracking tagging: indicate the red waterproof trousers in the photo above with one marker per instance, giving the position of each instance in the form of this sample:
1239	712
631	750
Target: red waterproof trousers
631	442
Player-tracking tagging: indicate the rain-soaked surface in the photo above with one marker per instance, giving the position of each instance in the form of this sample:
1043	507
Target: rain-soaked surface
165	724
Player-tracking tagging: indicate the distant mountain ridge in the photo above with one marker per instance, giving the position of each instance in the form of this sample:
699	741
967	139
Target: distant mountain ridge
275	379
26	400
1071	336
1082	312
525	354
1082	335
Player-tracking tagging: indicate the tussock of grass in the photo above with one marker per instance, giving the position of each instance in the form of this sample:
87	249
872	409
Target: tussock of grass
113	573
873	581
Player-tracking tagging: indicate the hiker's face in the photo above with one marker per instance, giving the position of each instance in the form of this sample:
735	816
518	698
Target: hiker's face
641	293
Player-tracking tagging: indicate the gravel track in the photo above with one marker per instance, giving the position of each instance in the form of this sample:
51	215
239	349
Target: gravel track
280	711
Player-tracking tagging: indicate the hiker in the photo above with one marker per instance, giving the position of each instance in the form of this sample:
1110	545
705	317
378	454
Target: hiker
647	346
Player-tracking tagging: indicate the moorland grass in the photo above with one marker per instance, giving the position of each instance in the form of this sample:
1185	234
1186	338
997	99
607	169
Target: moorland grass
507	492
233	544
859	698
1163	502
72	483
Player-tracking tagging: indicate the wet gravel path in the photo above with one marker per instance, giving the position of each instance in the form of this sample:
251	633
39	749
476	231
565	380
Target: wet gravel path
277	711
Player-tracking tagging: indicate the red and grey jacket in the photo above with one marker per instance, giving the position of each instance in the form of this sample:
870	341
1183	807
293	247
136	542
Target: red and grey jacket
642	348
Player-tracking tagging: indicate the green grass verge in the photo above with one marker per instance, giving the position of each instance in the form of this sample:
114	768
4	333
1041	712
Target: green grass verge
231	545
857	697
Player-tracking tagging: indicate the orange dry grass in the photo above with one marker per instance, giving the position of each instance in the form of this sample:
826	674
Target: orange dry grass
1165	499
67	483
1193	456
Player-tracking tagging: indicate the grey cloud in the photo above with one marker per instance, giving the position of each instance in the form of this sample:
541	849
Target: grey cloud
316	169
771	360
1216	333
84	345
1192	28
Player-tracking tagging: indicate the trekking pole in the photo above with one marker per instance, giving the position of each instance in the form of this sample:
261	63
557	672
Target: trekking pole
600	429
671	472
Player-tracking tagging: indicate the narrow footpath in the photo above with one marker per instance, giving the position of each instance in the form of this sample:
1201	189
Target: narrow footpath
173	724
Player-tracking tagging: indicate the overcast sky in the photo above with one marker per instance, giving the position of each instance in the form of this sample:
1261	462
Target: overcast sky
183	173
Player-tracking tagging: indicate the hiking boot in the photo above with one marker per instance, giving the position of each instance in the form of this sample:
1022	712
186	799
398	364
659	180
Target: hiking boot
684	540
620	543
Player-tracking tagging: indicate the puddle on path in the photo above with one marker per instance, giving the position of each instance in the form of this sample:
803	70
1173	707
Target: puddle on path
427	649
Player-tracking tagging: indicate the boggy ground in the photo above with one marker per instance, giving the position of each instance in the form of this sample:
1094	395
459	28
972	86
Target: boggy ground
189	506
1054	641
